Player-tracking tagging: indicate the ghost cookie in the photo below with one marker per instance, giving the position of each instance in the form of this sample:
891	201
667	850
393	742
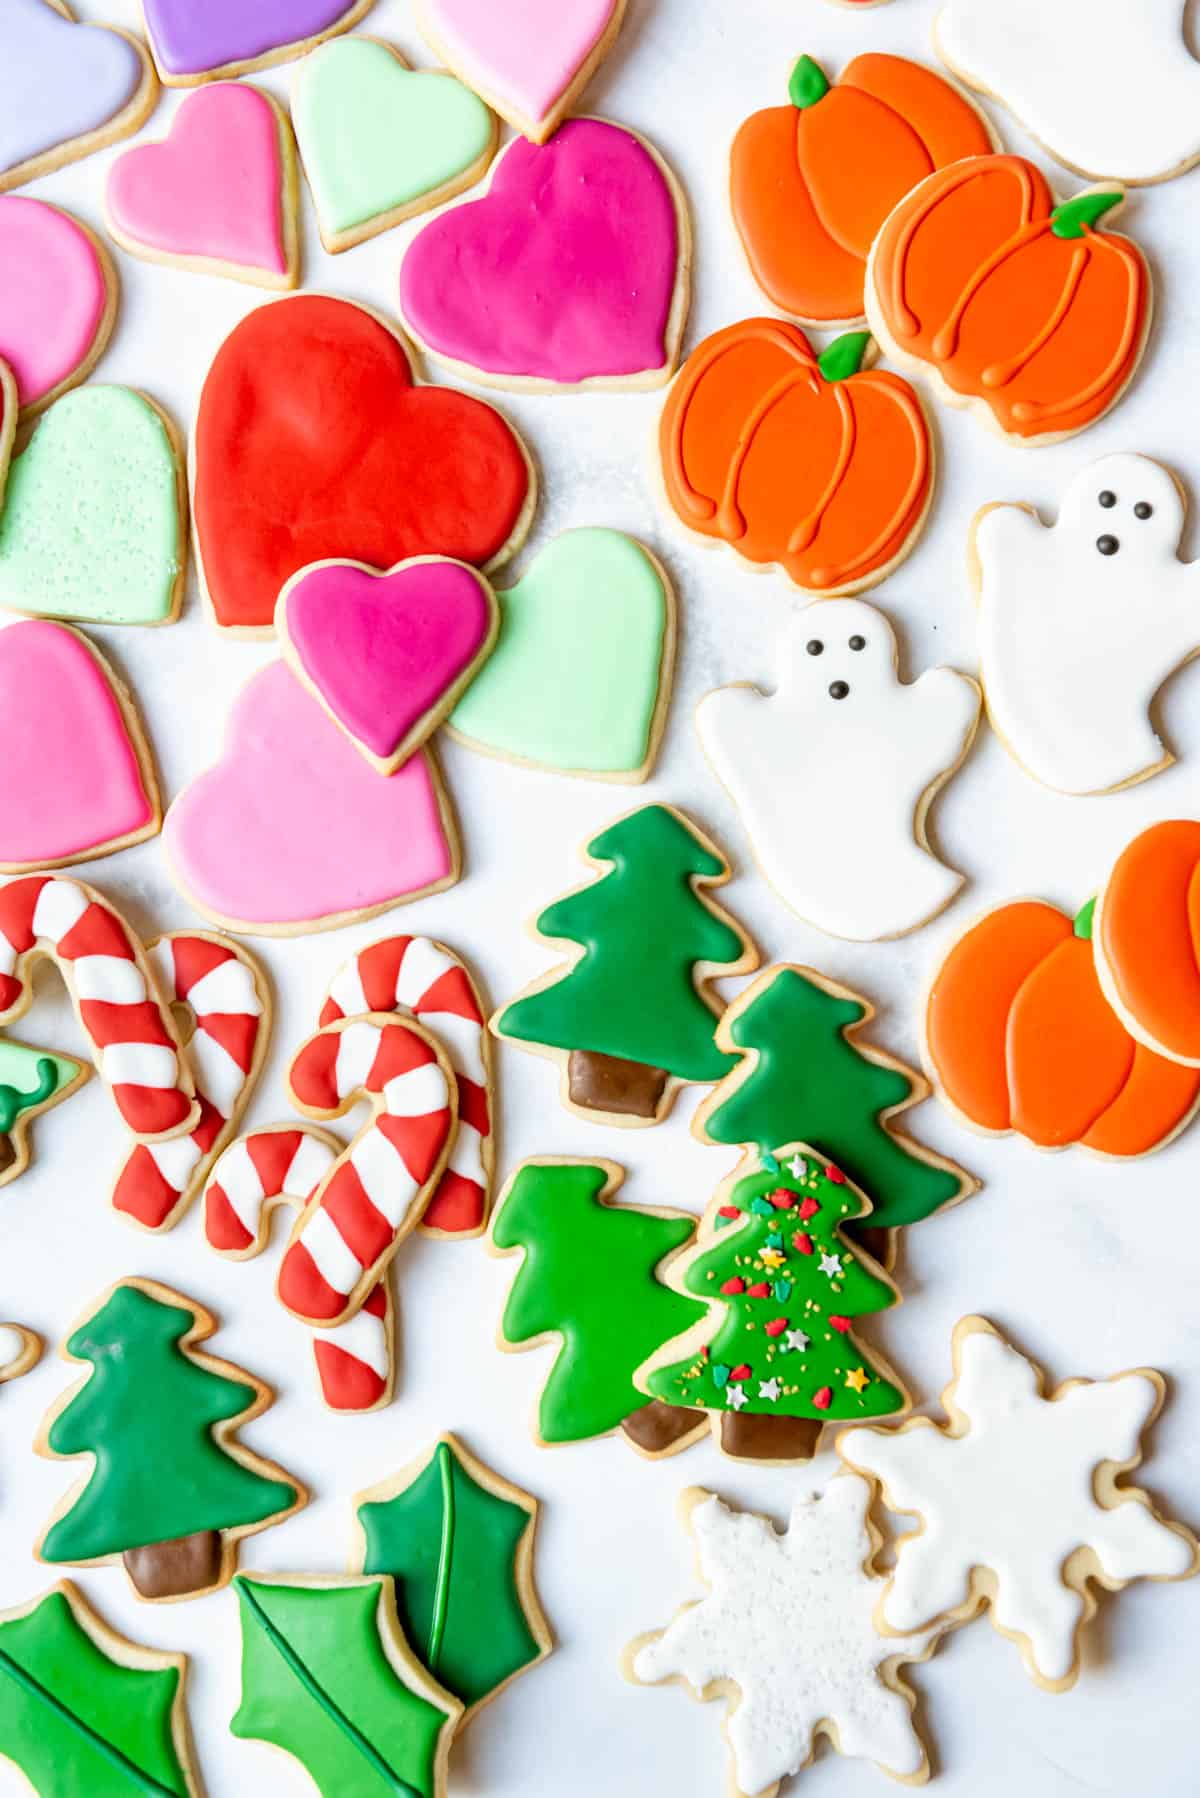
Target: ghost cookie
1081	623
835	771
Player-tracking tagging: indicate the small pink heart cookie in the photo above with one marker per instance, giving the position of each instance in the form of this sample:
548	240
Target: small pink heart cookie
58	300
218	194
529	59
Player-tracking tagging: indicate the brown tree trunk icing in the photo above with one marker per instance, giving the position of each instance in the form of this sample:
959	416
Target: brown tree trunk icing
878	1242
657	1428
753	1438
177	1568
609	1083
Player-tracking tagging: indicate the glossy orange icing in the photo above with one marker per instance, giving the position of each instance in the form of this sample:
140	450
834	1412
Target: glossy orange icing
1149	934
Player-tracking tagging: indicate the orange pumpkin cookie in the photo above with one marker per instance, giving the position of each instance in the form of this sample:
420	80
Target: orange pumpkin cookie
1147	939
811	183
1019	1036
1032	312
803	462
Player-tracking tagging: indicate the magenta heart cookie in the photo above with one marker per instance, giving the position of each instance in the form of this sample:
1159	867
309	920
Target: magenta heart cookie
387	655
57	300
573	267
292	830
77	780
528	58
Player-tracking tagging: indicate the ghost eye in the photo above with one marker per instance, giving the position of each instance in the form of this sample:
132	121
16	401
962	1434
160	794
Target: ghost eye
814	646
1143	509
858	642
838	689
1108	498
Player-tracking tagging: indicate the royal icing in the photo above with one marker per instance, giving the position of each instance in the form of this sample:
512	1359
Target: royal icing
55	307
66	83
1147	940
213	191
1080	624
569	269
841	737
1035	313
811	183
387	654
834	517
191	43
74	781
19	1350
787	1620
969	1482
381	141
311	442
1129	110
578	676
31	1081
293	827
526	60
103	457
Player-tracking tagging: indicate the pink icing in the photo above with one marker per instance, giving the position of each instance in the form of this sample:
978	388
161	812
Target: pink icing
526	53
566	268
382	650
212	188
53	295
71	781
292	825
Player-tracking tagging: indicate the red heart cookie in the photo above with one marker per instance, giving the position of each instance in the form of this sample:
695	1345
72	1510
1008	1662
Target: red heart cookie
312	441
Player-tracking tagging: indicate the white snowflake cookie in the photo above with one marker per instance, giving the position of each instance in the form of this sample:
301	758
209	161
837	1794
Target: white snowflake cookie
1019	1502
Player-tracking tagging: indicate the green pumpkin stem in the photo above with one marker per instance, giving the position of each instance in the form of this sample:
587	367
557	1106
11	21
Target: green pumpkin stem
808	84
1083	921
844	356
1074	217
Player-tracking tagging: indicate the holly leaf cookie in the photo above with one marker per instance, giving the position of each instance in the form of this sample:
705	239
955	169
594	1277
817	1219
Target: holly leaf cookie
58	301
31	1081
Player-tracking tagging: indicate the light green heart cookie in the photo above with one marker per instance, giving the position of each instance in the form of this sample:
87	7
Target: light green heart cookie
380	141
581	673
92	526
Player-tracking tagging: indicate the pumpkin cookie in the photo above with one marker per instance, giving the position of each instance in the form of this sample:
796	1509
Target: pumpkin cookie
1147	942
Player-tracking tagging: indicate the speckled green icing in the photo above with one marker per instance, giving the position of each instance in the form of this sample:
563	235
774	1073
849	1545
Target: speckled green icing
90	528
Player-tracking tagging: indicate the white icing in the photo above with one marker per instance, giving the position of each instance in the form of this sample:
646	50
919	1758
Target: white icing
336	1262
358	1046
385	1179
176	1160
308	1167
462	1039
12	1346
363	1336
109	978
422	965
217	1074
139	1064
788	1619
228	988
466	1157
1016	1494
1074	644
59	907
416	1093
830	790
1108	86
347	990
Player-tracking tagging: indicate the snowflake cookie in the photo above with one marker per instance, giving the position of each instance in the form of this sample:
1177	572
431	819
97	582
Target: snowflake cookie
1027	1546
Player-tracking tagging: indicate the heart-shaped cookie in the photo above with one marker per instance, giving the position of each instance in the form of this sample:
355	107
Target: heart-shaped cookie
574	266
58	299
199	40
292	830
219	193
388	654
529	58
312	442
8	423
68	89
381	141
107	460
581	673
78	779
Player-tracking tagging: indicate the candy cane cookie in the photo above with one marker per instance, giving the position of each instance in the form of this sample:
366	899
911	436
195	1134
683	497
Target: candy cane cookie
419	978
133	1038
224	992
376	1191
284	1164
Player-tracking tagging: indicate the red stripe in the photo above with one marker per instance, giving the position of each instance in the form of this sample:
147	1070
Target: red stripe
235	1032
210	1126
453	992
271	1155
142	1191
365	1231
331	1011
417	1141
375	1304
98	932
457	1205
400	1050
347	1384
151	1110
223	1228
10	992
18	901
312	1076
379	971
473	1105
108	1023
192	958
302	1289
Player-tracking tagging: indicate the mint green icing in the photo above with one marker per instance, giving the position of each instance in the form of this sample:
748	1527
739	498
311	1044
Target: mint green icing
90	527
574	678
19	1067
375	135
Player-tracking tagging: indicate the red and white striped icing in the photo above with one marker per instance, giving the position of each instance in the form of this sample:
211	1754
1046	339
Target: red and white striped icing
129	1029
377	1190
416	977
221	984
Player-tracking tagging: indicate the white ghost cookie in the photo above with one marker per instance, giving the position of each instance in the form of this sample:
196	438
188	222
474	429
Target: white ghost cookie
834	772
1108	86
1080	623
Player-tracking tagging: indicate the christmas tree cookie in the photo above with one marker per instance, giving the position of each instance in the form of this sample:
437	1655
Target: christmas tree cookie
171	1491
31	1081
776	1358
629	1018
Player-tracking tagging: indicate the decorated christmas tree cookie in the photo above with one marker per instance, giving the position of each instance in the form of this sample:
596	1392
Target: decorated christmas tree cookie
31	1081
629	1019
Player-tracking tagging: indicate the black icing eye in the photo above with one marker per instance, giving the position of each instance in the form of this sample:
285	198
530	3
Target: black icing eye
1108	498
838	689
814	646
858	642
1143	509
1108	546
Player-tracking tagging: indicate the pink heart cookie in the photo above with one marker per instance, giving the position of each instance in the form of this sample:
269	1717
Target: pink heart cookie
58	300
218	194
528	58
293	831
387	655
78	780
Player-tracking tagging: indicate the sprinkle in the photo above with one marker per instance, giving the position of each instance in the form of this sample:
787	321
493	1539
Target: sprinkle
857	1378
734	1286
776	1327
835	1174
741	1372
808	1208
822	1399
803	1242
769	1389
760	1290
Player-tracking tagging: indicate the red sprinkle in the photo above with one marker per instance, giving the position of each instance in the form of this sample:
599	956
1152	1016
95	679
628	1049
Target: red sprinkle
808	1208
823	1399
835	1174
776	1327
783	1200
742	1373
760	1290
729	1211
803	1241
840	1324
737	1284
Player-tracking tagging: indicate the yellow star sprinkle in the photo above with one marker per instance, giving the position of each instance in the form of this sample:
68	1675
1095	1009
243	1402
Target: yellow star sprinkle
772	1258
857	1378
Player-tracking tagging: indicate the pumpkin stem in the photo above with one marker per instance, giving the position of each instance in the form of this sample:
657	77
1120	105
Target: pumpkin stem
1073	217
1083	921
808	84
844	356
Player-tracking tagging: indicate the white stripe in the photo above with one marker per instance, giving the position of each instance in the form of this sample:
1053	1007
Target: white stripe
138	1064
228	988
417	1093
337	1265
60	905
358	1046
237	1176
309	1166
109	978
218	1075
8	956
163	963
175	1160
363	1336
423	963
466	1156
385	1179
462	1039
347	990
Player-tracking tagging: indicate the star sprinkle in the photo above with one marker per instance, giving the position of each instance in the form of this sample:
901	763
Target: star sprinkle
831	1265
772	1258
769	1389
735	1397
797	1341
857	1378
797	1167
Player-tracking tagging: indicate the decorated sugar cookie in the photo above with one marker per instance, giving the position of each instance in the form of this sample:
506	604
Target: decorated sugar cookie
71	89
1081	624
226	37
111	460
8	423
58	300
312	442
1129	111
20	1350
531	61
218	195
580	678
31	1081
573	269
79	778
1047	1539
1147	942
842	738
807	463
810	183
1033	314
784	1633
380	141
